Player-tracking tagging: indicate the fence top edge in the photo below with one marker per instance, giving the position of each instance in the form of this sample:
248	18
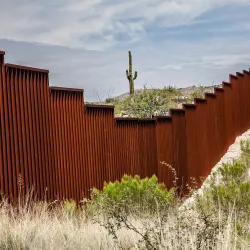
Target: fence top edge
176	110
99	106
239	74
147	119
226	83
219	89
167	117
246	72
126	119
2	52
189	106
15	66
200	100
210	95
233	76
52	88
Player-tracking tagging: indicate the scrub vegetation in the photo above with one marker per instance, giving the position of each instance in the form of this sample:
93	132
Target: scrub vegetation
138	213
148	102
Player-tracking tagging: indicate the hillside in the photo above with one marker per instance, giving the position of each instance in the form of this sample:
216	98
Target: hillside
145	103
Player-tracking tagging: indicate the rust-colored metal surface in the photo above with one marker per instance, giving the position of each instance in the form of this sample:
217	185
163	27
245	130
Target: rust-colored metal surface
147	147
128	154
99	127
51	141
179	145
3	170
67	137
235	99
229	112
191	140
242	101
211	129
220	121
246	81
201	135
24	131
164	135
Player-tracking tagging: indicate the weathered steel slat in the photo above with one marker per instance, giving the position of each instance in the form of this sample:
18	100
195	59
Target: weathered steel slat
22	133
164	128
13	171
3	160
63	148
18	139
46	134
179	145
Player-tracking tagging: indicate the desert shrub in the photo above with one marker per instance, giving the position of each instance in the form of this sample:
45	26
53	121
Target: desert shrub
234	172
131	192
150	102
70	207
230	185
170	90
111	100
245	149
245	146
120	204
199	93
226	198
147	102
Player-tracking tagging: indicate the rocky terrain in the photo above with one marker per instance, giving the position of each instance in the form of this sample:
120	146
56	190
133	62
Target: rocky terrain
187	91
148	102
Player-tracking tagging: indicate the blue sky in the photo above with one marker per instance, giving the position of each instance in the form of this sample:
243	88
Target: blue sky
84	43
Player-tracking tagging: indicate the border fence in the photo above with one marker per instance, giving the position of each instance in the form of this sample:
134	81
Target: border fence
52	142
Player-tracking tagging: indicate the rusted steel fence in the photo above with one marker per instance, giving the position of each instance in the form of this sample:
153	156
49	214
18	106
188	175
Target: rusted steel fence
51	142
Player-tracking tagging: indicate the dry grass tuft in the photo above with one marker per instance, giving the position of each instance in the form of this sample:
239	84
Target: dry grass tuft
41	225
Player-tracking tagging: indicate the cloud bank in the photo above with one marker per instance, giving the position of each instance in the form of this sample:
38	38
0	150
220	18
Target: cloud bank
84	43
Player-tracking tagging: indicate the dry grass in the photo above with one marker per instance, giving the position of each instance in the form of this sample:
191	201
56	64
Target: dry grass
36	225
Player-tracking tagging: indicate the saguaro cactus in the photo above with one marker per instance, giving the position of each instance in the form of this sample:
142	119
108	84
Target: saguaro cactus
130	75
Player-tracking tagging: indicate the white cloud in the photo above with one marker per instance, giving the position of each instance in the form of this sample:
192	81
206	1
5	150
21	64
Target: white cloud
161	56
176	63
95	24
210	62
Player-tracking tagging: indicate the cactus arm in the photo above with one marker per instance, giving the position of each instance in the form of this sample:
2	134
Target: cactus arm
135	76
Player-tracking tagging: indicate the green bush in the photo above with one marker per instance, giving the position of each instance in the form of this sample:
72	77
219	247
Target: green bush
146	102
245	148
120	203
131	192
232	173
111	100
233	195
232	189
226	198
70	207
198	93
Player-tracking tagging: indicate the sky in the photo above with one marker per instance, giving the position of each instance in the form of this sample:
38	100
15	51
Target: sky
85	43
